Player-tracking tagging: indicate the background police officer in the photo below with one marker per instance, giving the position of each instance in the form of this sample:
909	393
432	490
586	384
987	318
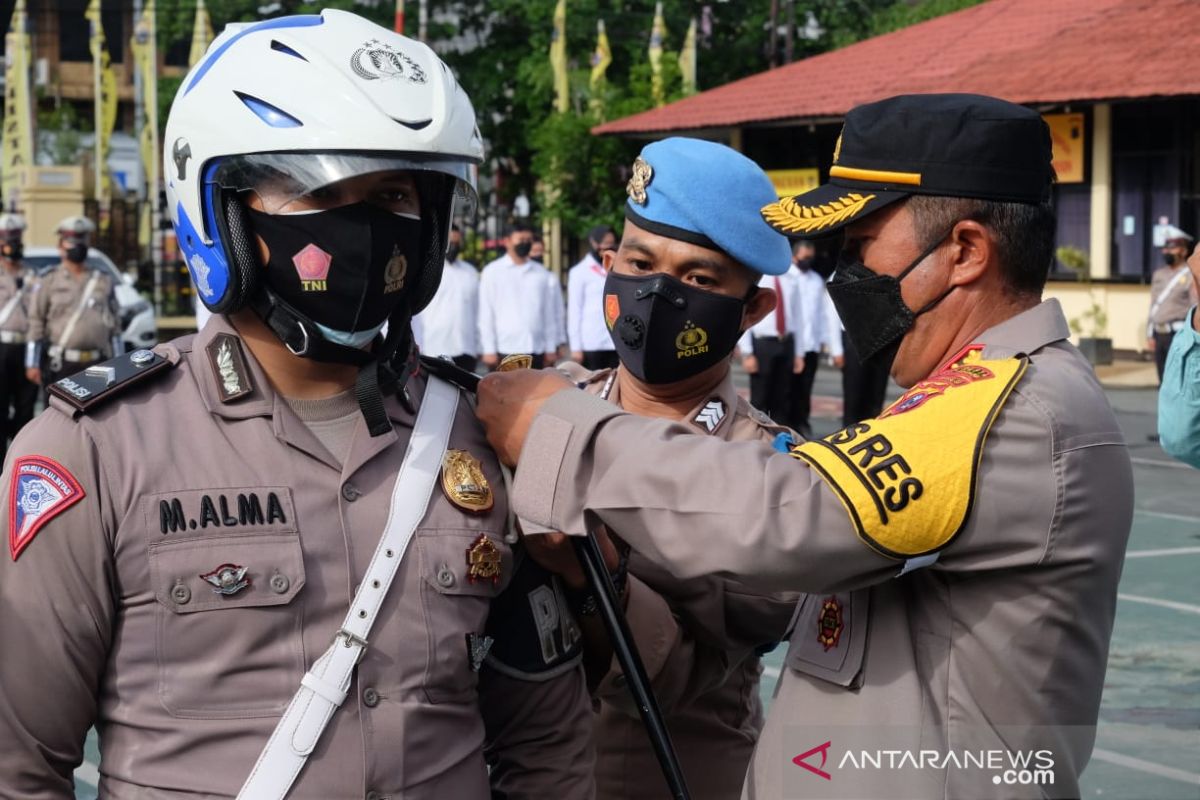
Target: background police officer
73	318
17	394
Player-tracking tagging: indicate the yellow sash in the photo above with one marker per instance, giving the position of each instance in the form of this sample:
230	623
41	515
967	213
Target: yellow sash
907	477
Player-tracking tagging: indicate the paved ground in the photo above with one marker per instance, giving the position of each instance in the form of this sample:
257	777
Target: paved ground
1148	747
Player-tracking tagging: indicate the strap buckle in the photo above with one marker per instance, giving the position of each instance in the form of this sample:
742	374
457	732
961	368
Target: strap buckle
349	639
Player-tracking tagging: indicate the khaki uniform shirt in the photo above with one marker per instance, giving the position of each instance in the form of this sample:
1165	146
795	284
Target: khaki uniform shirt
53	304
699	639
1177	300
1008	629
18	318
107	619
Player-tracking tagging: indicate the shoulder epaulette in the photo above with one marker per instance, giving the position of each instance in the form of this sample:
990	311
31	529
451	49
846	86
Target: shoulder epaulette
103	381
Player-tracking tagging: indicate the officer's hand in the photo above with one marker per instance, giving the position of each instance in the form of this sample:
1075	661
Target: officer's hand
750	364
797	365
490	360
839	361
577	356
33	375
508	402
555	552
1150	345
551	358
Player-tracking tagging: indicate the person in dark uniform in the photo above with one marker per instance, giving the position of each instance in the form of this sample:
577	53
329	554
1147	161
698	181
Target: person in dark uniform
17	393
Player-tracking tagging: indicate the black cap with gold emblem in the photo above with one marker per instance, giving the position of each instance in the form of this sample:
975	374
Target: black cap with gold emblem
951	145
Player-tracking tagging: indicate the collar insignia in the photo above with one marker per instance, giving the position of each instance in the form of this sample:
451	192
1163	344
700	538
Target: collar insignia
229	367
711	415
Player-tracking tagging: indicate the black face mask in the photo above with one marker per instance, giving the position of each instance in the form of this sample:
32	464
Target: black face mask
804	264
1170	259
77	253
664	330
871	307
452	251
522	249
16	250
345	268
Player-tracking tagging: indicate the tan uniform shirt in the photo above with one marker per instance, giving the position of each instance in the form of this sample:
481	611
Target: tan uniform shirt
107	619
18	318
53	304
699	639
1010	627
1176	288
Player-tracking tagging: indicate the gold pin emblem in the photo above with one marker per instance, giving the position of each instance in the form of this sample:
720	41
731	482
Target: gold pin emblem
515	361
464	483
643	173
483	561
395	272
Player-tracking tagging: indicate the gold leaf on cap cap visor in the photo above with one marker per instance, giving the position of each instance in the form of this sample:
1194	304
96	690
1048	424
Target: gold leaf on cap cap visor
788	216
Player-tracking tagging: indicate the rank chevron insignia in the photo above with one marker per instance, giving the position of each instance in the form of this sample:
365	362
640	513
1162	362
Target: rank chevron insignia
711	415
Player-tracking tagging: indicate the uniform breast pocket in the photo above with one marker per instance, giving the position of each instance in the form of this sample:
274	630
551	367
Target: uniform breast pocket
228	633
829	637
461	573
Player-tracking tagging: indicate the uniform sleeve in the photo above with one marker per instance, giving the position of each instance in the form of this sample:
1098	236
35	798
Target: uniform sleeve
746	343
1179	396
539	736
833	326
472	312
58	609
39	307
575	310
734	509
691	650
487	319
556	327
114	307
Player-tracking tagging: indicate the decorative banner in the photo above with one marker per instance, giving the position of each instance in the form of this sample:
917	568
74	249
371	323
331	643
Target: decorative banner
202	34
18	119
657	34
687	60
791	182
104	83
1068	137
145	56
601	58
399	23
558	58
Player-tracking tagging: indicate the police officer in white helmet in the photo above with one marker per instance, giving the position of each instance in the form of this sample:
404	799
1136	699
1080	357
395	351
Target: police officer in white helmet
17	393
273	559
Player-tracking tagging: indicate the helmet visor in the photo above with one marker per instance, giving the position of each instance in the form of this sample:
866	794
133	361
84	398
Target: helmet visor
305	181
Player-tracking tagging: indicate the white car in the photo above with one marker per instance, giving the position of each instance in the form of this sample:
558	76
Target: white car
138	327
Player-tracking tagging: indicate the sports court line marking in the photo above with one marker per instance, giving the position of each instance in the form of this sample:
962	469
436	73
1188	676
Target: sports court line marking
1154	601
89	773
1165	515
1166	551
1158	462
1122	760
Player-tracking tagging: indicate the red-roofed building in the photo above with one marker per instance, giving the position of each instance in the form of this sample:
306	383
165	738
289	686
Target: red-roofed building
1115	78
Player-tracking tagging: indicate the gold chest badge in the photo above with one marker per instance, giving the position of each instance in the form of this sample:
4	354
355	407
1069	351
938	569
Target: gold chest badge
483	561
464	483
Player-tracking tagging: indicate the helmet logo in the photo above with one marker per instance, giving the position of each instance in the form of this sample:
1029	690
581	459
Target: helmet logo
312	265
181	151
376	60
395	272
200	270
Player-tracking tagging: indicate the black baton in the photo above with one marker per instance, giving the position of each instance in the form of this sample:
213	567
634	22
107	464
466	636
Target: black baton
587	550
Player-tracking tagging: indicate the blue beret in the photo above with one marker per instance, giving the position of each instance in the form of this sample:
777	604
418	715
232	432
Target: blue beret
709	195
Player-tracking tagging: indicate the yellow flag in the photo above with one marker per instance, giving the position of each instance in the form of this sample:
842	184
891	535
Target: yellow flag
145	55
601	58
558	58
202	34
105	93
687	60
18	119
657	34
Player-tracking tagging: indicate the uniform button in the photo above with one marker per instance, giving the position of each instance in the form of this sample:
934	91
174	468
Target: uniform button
181	594
350	492
280	583
445	576
370	697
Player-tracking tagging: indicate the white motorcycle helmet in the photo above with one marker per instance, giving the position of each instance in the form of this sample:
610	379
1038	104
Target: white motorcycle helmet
318	99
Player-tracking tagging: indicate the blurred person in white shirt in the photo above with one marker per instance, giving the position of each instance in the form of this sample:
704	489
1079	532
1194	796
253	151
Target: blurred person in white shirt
772	349
587	333
517	304
811	307
449	324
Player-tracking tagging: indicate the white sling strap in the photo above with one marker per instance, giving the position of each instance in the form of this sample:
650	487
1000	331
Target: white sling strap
74	320
325	685
9	307
1156	304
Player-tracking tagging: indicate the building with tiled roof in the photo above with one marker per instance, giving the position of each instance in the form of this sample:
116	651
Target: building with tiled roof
1116	80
